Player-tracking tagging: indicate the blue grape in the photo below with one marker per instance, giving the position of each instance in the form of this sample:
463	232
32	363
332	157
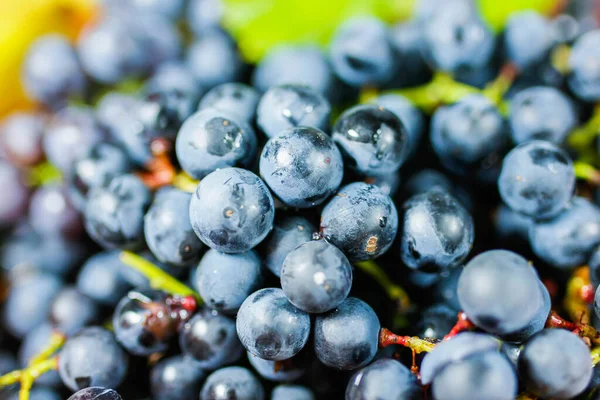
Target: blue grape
288	106
160	112
172	9
212	139
407	40
456	38
316	276
232	382
176	378
501	293
537	179
292	392
168	230
302	166
567	240
210	339
159	35
51	213
270	327
555	364
71	133
408	114
225	280
436	321
584	77
347	336
232	210
542	113
565	28
361	52
361	221
304	65
445	289
463	135
278	371
528	36
114	215
92	358
232	97
437	232
174	76
100	278
33	343
51	71
71	311
21	138
287	234
204	15
41	393
425	180
510	224
383	379
95	393
28	303
214	59
7	362
14	203
372	139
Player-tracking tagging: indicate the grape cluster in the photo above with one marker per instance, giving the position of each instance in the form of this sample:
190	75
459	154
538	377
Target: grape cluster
178	224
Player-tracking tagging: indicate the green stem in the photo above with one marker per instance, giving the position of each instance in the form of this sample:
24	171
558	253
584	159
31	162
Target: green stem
586	172
582	137
56	341
595	353
158	278
395	292
43	174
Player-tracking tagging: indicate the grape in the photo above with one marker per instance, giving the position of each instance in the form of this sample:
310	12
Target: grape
212	139
425	180
232	382
176	378
95	393
292	392
168	230
101	280
361	221
158	35
316	277
501	293
541	113
567	240
210	339
51	213
232	210
21	138
288	106
114	215
528	37
347	336
437	233
278	371
537	179
171	9
510	224
71	310
407	41
51	71
224	281
302	166
92	358
383	379
204	15
584	76
445	288
287	234
14	202
361	52
555	364
34	342
173	77
232	97
41	393
304	65
160	113
270	327
436	321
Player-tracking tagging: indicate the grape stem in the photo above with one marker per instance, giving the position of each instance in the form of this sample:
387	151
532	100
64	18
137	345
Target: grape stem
496	89
581	138
27	376
416	344
587	173
183	181
159	279
585	331
595	353
42	174
463	323
55	343
579	294
395	292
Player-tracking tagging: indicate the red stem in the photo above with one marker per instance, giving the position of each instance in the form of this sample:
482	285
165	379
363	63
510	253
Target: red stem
463	323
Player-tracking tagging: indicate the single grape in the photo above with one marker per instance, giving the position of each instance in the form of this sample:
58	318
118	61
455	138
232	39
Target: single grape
210	339
232	382
270	327
224	280
361	221
51	213
92	358
537	179
212	139
95	393
71	310
555	364
541	113
361	52
204	15
316	276
437	232
528	38
288	106
347	337
279	371
174	77
383	379
114	214
584	76
168	230
160	112
160	37
567	240
176	378
287	234
372	139
292	392
100	278
232	97
407	41
425	180
232	210
436	321
14	203
302	166
21	138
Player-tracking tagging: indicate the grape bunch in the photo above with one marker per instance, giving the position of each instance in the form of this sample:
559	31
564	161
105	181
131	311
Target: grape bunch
409	212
